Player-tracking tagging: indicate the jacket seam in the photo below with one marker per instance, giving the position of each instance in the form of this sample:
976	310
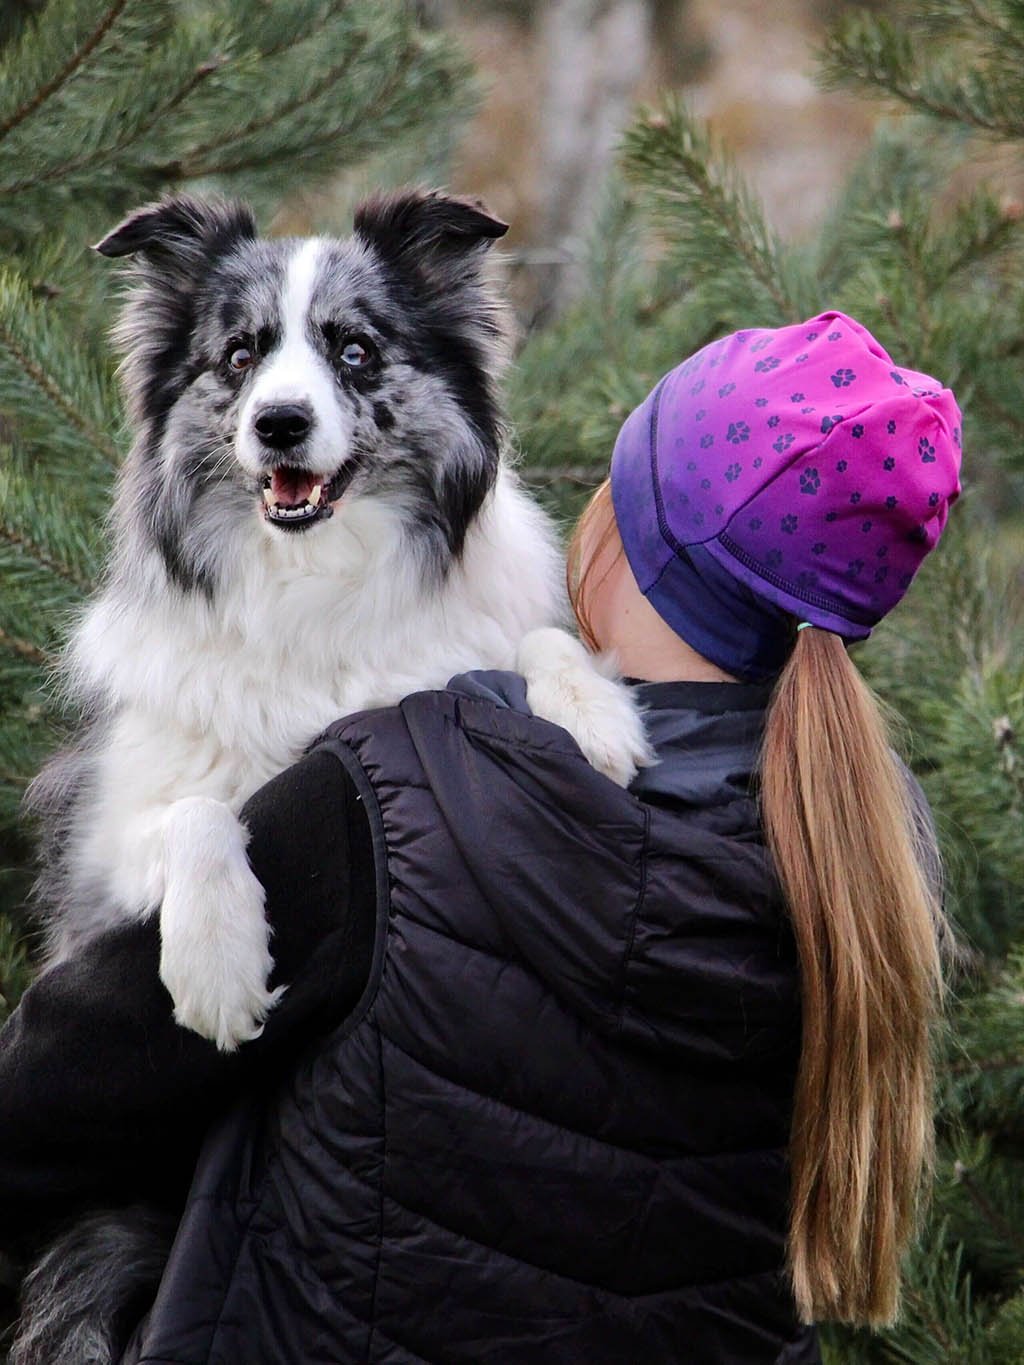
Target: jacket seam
381	1192
691	1157
634	917
620	1295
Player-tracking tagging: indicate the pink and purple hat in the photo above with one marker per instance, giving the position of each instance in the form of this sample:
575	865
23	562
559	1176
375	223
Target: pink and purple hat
783	475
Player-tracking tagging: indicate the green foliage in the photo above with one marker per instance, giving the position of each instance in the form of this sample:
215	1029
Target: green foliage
686	255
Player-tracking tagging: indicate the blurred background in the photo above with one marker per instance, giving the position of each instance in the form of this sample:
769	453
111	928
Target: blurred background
558	82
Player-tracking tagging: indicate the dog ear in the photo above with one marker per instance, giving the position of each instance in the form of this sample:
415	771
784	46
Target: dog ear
416	227
181	229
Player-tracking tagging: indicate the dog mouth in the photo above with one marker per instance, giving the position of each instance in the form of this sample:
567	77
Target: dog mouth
296	498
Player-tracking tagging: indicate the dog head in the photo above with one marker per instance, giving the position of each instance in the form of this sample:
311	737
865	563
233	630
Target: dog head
288	380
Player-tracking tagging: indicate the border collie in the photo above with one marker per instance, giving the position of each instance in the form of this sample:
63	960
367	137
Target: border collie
315	518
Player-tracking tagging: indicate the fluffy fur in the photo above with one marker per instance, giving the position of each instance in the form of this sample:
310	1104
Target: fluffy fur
86	1294
314	518
224	641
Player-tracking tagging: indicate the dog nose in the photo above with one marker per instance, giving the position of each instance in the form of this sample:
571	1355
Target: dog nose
283	425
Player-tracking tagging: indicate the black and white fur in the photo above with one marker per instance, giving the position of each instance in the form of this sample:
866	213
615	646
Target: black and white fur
231	628
230	632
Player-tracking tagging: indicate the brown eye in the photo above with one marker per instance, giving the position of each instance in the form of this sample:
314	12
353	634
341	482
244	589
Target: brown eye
240	358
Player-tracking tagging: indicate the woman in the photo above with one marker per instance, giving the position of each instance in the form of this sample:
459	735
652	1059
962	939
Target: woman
539	1090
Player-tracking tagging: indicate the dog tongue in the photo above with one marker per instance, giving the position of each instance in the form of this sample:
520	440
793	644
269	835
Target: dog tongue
291	487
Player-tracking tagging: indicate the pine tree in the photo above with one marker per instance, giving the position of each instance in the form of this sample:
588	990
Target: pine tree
932	261
104	104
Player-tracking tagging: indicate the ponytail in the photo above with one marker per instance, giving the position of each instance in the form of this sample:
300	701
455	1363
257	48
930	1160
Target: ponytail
839	823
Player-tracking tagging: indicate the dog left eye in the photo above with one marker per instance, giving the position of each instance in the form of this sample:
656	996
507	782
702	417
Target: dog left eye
239	356
356	353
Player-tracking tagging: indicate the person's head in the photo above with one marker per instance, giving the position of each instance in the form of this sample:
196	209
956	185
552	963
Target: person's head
768	504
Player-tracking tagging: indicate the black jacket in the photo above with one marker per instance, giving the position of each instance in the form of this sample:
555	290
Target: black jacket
554	1127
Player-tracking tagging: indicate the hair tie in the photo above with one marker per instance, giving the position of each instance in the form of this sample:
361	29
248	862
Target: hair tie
805	625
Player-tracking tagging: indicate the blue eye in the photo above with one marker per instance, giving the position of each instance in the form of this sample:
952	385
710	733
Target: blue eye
356	354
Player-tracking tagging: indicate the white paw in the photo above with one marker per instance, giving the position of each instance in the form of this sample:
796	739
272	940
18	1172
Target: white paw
579	691
214	938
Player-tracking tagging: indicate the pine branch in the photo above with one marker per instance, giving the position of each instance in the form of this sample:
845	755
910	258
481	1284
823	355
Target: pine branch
71	66
45	558
65	409
26	650
877	54
711	223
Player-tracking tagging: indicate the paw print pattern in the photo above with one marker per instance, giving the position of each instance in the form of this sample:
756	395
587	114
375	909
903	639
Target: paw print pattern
806	578
773	558
698	518
842	379
760	343
882	573
758	462
810	481
784	442
890	427
831	516
760	402
926	450
854	568
865	526
889	463
933	499
705	484
733	473
855	498
789	523
890	502
881	552
738	433
819	548
719	509
697	388
707	441
726	390
774	420
841	466
771	362
797	397
906	579
691	465
834	336
811	336
700	414
827	423
896	377
857	431
956	437
801	357
755	523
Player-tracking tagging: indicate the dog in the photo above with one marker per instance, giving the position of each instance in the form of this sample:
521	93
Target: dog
316	517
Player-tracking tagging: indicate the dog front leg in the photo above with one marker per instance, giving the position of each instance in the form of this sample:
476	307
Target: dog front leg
214	937
580	691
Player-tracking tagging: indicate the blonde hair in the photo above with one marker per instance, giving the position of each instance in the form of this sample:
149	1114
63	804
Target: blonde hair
838	819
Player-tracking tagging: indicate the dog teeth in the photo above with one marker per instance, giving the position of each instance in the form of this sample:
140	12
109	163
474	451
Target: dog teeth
314	497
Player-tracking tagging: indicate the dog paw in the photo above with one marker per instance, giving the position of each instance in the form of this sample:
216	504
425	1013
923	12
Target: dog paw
580	691
215	955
